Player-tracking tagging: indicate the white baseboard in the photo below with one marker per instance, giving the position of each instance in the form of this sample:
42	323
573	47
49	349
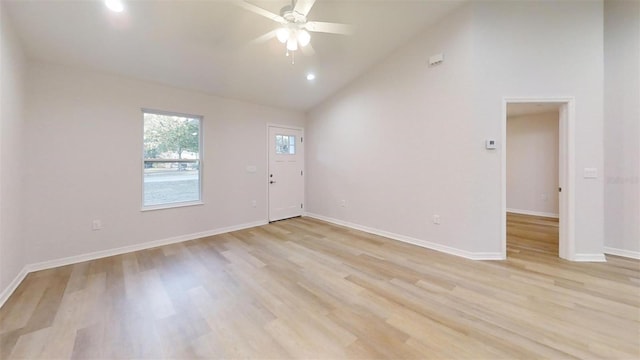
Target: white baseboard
534	213
131	248
4	296
589	258
117	251
622	252
410	240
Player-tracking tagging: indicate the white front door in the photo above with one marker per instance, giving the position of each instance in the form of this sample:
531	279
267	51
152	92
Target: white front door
286	176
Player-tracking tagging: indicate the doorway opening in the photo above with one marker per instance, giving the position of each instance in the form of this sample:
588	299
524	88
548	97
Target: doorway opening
537	176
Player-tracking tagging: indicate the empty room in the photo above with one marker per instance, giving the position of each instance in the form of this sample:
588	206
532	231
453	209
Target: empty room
319	179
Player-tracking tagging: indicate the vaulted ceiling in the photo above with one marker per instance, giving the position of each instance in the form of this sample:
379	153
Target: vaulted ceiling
207	45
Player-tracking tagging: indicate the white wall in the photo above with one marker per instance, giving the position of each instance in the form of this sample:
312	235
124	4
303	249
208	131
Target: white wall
539	49
394	144
532	164
84	162
12	147
405	141
622	126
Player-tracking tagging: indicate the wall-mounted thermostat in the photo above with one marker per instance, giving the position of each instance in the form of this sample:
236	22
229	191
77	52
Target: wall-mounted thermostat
490	144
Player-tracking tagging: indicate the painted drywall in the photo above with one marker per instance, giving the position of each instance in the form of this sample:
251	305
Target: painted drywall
539	49
622	126
84	162
394	144
12	148
532	164
406	141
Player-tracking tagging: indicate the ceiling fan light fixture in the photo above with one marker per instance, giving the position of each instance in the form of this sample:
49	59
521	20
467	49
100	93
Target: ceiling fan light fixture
292	44
304	37
283	35
114	5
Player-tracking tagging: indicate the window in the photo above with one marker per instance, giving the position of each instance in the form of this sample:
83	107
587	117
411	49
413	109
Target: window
172	160
285	145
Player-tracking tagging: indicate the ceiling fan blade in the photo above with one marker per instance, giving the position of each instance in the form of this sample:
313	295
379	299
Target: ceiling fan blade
308	50
304	6
331	28
260	11
264	38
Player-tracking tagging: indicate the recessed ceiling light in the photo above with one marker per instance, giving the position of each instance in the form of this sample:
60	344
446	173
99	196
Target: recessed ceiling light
311	77
114	5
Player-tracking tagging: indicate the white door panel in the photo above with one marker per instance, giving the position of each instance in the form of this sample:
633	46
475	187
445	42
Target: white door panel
286	177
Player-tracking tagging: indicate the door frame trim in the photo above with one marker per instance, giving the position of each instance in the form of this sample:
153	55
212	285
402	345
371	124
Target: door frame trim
304	169
566	171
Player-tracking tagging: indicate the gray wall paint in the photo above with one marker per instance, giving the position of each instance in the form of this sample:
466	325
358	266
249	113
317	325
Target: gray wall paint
84	162
406	141
532	163
12	149
622	125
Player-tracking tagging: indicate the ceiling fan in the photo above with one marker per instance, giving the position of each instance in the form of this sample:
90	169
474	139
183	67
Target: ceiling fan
294	27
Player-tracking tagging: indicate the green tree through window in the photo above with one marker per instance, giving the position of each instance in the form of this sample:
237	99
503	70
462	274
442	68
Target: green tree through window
163	133
172	159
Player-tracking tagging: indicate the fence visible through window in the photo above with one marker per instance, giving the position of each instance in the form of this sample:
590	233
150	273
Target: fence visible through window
172	159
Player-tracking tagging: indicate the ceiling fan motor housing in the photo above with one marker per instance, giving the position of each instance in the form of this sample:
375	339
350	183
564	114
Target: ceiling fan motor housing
292	16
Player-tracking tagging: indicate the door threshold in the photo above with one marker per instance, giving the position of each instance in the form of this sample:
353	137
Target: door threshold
293	217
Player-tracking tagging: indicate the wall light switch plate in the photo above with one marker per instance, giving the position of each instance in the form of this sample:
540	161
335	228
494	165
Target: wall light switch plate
590	173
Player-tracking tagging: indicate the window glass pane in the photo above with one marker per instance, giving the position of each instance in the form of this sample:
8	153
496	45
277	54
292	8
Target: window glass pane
285	144
167	138
171	182
171	137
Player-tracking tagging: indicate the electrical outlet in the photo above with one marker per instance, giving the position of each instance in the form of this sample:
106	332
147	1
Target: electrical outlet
254	203
343	203
96	225
436	219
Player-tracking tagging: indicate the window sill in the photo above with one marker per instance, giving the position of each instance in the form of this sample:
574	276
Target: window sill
171	206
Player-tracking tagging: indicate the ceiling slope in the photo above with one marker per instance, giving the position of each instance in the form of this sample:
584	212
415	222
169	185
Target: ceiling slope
207	45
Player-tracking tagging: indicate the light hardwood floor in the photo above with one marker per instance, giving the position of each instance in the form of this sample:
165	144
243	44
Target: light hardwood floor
302	288
533	234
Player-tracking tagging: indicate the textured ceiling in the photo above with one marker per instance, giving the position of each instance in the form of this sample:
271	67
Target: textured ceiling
207	45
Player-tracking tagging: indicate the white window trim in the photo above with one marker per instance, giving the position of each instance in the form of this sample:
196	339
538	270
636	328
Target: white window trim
200	161
172	205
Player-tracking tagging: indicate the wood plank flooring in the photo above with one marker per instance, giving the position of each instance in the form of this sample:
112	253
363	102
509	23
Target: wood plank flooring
303	288
534	234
